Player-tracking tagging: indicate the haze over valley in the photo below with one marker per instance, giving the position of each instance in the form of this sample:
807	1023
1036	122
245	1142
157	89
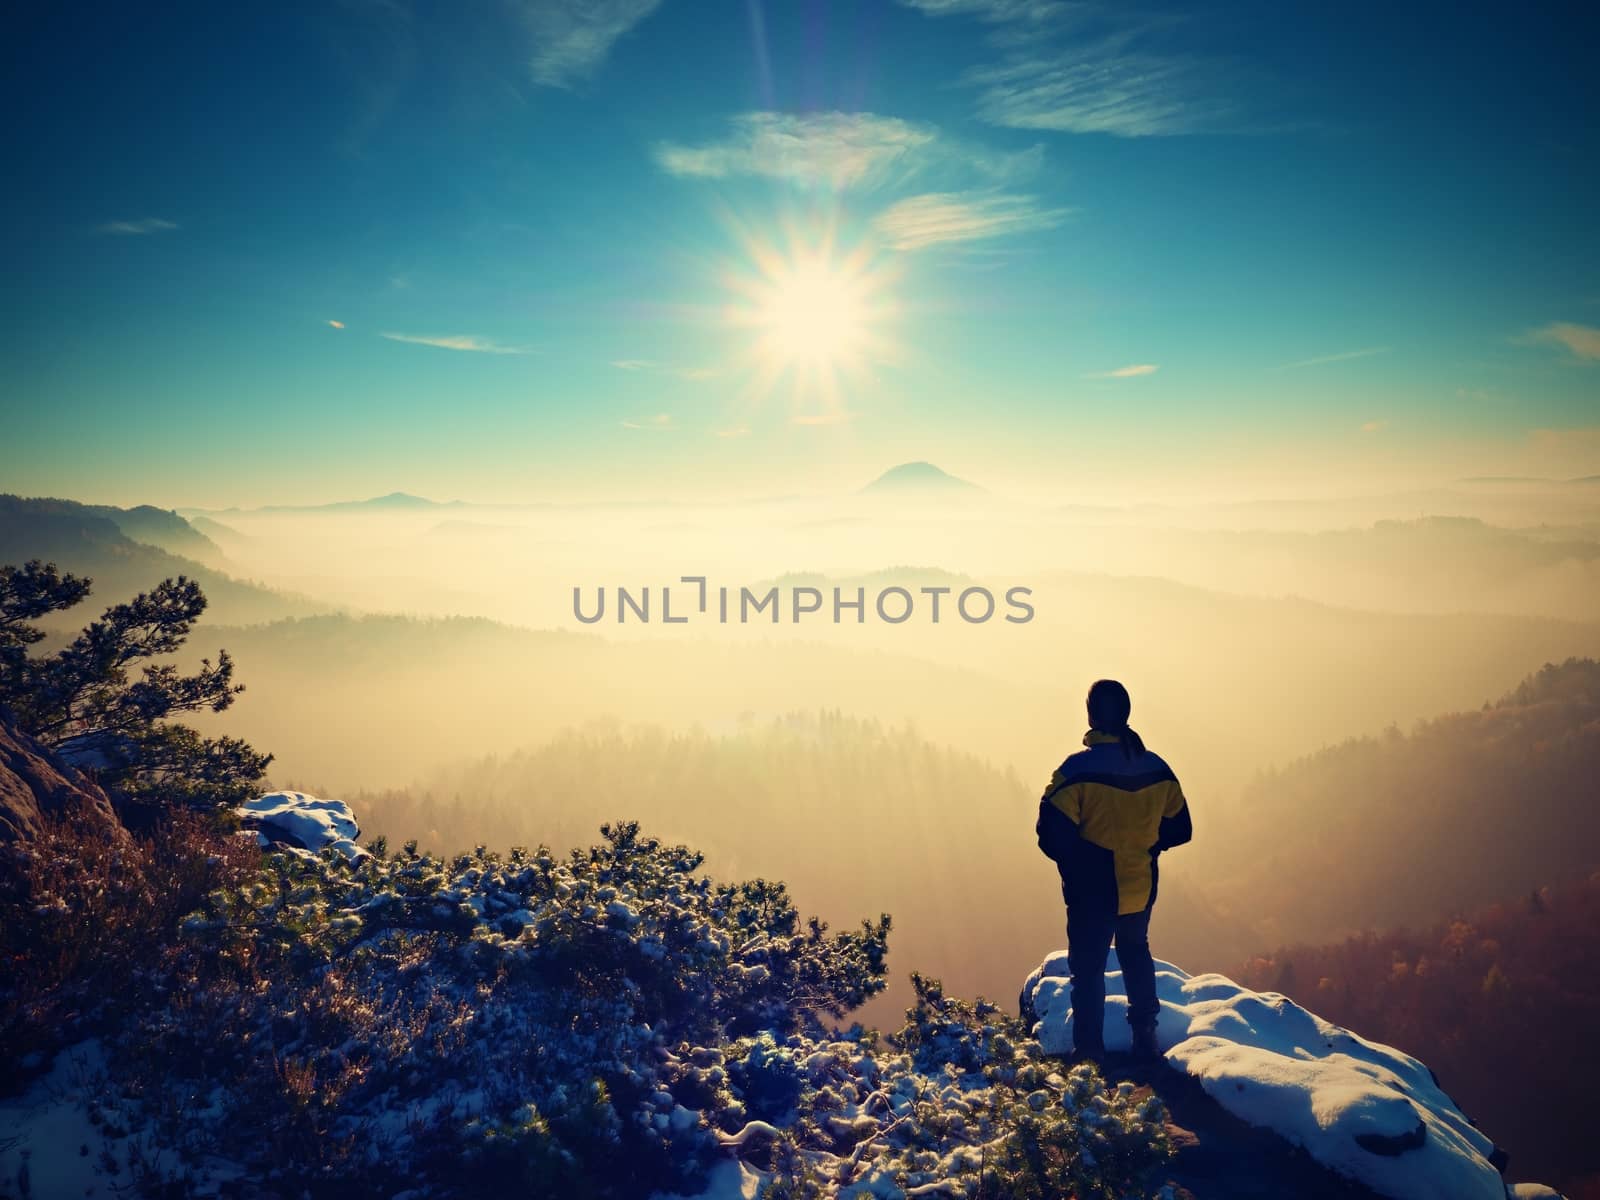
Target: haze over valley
425	657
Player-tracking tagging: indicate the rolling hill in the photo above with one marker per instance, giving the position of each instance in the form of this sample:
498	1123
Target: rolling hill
109	546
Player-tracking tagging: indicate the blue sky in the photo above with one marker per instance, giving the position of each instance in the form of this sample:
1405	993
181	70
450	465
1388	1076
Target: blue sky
533	250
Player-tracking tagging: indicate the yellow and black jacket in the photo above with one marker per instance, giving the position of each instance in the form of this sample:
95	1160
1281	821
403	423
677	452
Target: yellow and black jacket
1103	820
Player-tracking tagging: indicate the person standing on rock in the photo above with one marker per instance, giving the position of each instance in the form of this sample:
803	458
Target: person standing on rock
1109	811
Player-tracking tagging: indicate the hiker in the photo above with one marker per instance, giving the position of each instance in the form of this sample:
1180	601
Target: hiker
1109	811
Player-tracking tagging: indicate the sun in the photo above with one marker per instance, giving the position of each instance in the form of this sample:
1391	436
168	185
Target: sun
817	317
815	314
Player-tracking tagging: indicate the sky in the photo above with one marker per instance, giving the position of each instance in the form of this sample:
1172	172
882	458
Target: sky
541	250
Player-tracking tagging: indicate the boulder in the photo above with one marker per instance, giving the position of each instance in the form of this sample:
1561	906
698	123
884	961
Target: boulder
1367	1112
36	784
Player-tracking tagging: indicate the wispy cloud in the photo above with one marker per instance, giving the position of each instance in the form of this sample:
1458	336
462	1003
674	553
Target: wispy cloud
463	341
1100	89
656	423
835	148
841	150
1374	426
992	10
733	431
336	324
571	38
927	220
692	374
138	228
1129	372
1085	68
1582	341
1343	356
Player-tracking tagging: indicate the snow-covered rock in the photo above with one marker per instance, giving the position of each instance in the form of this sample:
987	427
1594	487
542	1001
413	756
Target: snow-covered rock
1362	1109
302	824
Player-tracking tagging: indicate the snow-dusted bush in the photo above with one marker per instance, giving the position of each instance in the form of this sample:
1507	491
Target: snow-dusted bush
480	1018
960	1102
611	1024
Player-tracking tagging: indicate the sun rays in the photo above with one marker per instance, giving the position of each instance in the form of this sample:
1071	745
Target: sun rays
816	317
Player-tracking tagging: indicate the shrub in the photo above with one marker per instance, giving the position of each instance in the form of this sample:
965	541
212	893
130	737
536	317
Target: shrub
607	1024
86	916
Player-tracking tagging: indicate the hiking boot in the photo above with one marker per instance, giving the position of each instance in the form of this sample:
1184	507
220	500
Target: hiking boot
1088	1054
1145	1048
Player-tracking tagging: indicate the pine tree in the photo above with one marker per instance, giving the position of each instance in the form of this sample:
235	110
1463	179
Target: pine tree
82	702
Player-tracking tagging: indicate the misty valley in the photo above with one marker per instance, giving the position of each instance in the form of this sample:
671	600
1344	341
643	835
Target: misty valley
1368	781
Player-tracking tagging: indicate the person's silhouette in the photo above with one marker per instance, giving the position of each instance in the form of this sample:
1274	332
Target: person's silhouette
1109	811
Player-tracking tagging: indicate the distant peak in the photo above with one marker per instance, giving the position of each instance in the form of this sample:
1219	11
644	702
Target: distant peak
402	500
394	500
918	476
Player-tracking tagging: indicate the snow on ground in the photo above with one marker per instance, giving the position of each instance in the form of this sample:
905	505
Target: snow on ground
70	1136
46	1137
302	824
729	1180
1359	1108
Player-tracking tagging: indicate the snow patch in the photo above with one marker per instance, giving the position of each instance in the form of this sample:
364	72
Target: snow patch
1362	1109
303	824
729	1180
71	1136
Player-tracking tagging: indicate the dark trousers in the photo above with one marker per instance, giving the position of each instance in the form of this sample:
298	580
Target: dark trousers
1090	933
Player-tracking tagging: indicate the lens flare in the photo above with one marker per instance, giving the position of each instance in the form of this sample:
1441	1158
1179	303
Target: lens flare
818	319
